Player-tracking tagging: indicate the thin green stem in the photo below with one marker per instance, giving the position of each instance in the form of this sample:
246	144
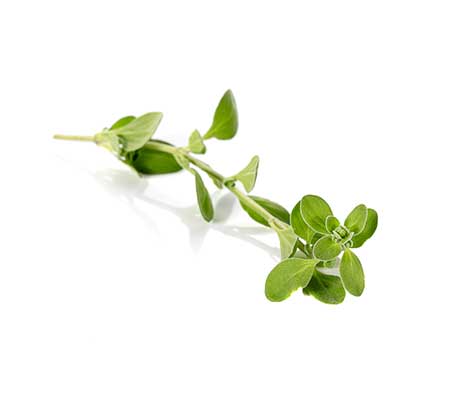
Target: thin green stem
252	204
229	184
206	168
75	138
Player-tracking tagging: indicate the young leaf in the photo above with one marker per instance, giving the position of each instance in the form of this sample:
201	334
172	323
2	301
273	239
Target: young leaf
356	220
150	162
351	272
326	249
225	122
203	198
273	208
196	144
122	122
325	288
288	240
369	229
314	211
331	223
138	131
299	225
288	276
248	175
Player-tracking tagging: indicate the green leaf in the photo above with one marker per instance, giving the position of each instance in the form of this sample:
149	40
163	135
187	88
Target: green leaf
288	241
225	122
151	162
326	249
331	223
273	208
299	225
288	276
196	144
122	122
325	288
369	229
203	198
314	211
351	272
248	175
138	131
356	220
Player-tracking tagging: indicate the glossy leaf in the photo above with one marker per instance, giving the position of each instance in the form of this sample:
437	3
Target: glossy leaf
299	225
288	240
314	211
203	198
196	144
137	132
326	249
356	220
150	162
288	276
248	175
351	272
325	288
369	229
273	208
225	122
331	223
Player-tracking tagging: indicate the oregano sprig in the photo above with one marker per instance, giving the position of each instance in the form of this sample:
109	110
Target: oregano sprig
316	249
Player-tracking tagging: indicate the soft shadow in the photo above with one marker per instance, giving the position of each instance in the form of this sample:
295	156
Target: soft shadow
132	189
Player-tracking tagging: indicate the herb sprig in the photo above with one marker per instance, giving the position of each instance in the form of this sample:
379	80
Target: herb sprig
316	249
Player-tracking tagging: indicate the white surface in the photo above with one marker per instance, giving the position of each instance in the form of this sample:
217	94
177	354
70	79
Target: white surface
112	287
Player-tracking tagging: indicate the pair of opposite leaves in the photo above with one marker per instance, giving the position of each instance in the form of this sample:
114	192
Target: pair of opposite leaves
128	136
313	220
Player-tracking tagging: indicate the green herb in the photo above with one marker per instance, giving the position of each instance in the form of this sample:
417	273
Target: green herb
311	238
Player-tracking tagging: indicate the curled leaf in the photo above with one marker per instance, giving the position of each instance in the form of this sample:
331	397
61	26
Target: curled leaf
273	208
356	220
248	175
150	162
288	276
331	223
122	122
314	211
138	131
299	225
326	249
203	198
325	288
288	241
196	144
225	122
369	229
351	272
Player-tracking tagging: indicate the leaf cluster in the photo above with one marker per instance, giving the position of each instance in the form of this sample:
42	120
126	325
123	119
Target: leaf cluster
324	239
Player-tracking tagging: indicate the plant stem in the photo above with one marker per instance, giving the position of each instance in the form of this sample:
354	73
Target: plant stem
273	222
76	138
229	184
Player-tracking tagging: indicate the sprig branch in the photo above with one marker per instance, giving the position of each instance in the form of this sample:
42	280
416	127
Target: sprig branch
311	238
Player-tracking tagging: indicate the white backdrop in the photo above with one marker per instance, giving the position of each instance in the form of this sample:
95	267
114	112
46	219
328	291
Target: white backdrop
112	287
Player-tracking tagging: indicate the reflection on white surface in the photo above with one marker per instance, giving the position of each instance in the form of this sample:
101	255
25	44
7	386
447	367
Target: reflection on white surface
132	189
